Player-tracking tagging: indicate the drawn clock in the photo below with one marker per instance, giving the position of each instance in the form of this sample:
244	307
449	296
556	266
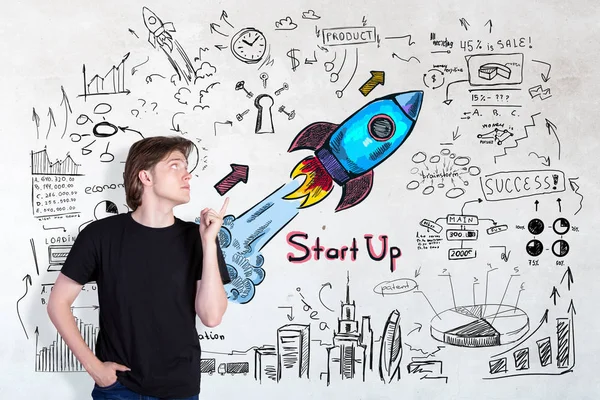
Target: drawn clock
249	45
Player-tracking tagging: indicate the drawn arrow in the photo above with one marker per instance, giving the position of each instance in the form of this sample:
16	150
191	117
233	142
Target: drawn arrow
559	207
455	134
291	314
36	119
572	311
418	328
133	33
377	78
239	173
220	47
213	29
417	272
489	22
320	290
52	121
448	101
569	275
224	17
126	128
467	202
545	160
554	294
28	283
464	23
575	188
65	102
537	202
552	130
543	321
37	337
546	77
220	123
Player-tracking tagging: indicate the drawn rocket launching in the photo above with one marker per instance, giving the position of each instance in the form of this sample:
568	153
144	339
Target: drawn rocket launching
157	30
347	153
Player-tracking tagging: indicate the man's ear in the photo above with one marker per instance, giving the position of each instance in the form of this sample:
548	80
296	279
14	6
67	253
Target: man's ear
145	177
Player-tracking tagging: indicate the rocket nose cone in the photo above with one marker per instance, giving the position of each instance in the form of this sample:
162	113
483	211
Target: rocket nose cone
410	102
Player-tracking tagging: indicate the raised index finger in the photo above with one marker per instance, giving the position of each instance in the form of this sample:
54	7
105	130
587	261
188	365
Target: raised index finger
224	208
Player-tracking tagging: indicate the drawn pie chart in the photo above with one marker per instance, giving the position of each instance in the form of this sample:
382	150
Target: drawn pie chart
480	325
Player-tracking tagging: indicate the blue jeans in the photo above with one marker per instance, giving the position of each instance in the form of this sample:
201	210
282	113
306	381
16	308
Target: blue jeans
117	391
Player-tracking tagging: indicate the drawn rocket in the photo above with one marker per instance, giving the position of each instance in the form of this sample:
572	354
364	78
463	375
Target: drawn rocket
157	30
347	153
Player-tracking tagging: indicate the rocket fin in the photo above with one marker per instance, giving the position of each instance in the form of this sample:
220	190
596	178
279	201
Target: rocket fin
355	191
169	27
313	136
152	39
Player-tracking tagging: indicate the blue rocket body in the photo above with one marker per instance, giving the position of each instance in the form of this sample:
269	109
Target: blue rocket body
351	150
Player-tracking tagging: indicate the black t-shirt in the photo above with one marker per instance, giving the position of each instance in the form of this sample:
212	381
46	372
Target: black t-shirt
146	279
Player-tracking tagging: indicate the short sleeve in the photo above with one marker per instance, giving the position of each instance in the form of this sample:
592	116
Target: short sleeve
220	261
82	261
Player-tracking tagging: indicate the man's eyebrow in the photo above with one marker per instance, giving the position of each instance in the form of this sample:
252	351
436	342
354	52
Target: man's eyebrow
177	159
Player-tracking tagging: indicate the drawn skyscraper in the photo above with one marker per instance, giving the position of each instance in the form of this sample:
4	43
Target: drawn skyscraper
391	349
347	356
265	363
293	351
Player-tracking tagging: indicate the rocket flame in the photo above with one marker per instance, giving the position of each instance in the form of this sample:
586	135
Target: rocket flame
317	183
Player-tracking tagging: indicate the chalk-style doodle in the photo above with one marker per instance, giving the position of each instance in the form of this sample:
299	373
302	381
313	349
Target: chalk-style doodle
434	78
489	22
102	108
495	69
517	140
340	93
85	150
377	78
406	59
283	87
106	156
349	36
264	77
502	185
41	165
497	135
57	357
36	119
464	23
220	123
182	95
241	86
445	170
134	69
125	129
83	119
538	91
149	78
545	160
35	260
240	116
340	150
239	173
480	325
267	60
264	118
27	280
575	187
409	37
104	129
200	50
334	76
552	131
289	316
51	122
397	286
113	82
103	209
312	60
133	33
292	56
310	14
290	114
249	45
57	254
285	24
65	102
159	34
391	349
449	100
323	286
545	77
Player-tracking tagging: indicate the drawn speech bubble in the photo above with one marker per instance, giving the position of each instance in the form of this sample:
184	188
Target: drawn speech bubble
397	286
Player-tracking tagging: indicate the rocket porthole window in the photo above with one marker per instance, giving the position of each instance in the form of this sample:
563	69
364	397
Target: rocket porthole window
381	127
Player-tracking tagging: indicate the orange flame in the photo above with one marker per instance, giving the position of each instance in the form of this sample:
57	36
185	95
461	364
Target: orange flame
317	183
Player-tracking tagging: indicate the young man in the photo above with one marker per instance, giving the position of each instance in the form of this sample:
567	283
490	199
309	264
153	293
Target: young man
154	274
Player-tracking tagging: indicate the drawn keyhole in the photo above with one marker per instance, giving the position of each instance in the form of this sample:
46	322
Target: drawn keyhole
264	119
